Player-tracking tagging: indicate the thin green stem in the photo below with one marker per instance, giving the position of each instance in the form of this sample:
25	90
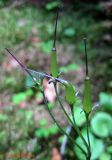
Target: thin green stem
60	128
72	111
58	98
78	131
88	137
75	127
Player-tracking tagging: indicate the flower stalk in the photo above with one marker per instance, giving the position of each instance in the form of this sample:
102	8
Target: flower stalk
87	104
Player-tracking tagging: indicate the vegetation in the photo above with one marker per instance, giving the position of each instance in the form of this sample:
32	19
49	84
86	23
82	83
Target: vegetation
26	29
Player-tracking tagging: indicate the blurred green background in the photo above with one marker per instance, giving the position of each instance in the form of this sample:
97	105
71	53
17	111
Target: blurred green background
27	27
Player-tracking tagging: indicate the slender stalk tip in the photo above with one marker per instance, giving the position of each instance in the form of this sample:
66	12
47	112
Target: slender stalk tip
86	56
55	29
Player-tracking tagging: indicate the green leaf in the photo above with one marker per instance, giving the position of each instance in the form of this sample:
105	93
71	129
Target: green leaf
69	32
70	93
9	81
3	136
42	132
87	104
46	132
97	146
68	68
51	5
46	46
39	95
29	92
53	129
60	139
109	149
54	64
39	133
51	105
105	156
28	115
79	116
106	101
43	122
101	124
3	117
16	99
21	96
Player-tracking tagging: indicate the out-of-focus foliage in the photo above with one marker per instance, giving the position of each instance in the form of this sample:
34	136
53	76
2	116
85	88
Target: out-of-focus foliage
46	132
96	151
106	101
21	96
79	114
16	25
32	27
70	67
21	133
102	121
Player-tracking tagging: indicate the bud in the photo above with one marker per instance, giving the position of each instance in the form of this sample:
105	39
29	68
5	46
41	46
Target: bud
70	93
87	104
